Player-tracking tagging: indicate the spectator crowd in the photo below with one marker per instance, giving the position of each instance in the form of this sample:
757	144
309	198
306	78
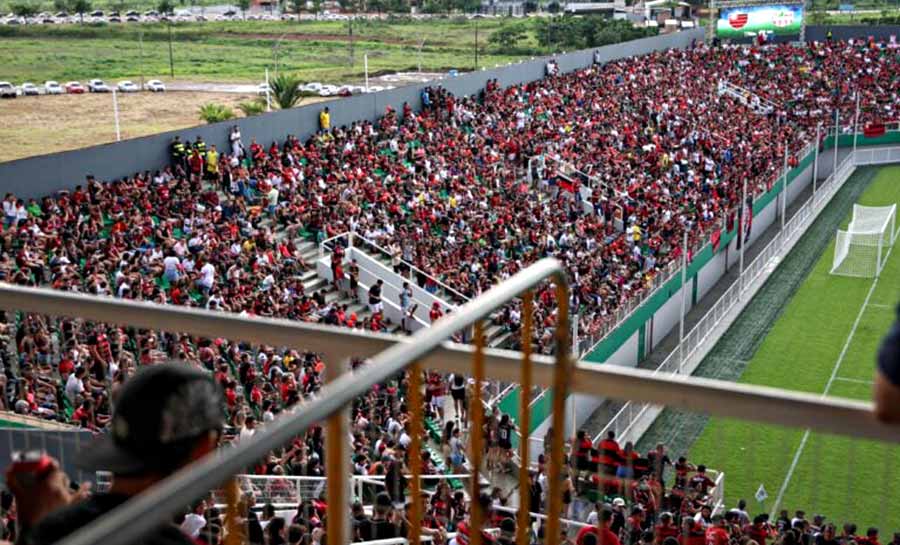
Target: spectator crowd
659	153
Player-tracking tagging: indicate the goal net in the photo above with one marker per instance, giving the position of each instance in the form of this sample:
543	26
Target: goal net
862	249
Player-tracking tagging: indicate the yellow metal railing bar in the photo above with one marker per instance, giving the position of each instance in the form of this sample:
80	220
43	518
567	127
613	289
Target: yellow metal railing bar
476	428
522	534
561	378
416	430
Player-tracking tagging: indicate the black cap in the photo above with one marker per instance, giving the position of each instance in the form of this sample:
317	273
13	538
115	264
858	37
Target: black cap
160	411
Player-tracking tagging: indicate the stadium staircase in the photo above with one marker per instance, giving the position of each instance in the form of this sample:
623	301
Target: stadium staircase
755	102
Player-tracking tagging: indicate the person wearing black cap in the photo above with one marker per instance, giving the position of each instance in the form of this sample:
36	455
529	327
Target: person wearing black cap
167	416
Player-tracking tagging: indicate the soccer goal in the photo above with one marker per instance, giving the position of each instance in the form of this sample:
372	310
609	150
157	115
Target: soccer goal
862	249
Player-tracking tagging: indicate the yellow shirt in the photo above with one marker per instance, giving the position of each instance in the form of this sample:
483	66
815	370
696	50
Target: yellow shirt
212	161
324	120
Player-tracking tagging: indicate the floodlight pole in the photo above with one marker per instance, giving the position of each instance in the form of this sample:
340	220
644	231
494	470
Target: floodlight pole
784	173
856	122
268	94
816	161
116	114
684	264
837	135
366	66
741	220
171	58
141	46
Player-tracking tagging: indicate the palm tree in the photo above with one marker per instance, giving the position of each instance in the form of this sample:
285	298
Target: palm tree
285	91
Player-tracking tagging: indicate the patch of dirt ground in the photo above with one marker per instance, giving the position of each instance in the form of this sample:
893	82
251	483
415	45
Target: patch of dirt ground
46	124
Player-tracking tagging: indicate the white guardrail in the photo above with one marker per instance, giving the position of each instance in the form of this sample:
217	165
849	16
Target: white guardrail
634	417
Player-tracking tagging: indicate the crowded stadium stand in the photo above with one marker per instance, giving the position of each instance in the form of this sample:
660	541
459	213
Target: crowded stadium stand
619	172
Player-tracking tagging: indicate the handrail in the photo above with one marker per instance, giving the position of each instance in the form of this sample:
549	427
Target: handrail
716	397
353	234
144	512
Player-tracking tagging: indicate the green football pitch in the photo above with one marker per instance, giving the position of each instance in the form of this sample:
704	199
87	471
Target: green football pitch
824	341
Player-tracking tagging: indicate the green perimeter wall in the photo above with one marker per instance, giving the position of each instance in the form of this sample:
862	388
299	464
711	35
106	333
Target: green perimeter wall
637	321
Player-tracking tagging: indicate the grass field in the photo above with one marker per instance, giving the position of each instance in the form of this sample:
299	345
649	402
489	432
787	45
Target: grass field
240	51
824	342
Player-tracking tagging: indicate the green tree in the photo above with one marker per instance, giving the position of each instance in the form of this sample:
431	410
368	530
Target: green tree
253	107
26	9
286	91
317	7
61	5
165	6
244	5
507	37
80	7
214	113
297	6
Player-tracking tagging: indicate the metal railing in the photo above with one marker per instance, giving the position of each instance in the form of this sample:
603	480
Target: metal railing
144	512
356	240
426	349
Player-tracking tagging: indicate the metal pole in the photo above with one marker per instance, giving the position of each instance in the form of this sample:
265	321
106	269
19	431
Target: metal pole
837	134
116	114
784	174
684	264
268	95
141	46
856	123
743	239
366	63
476	44
816	161
171	58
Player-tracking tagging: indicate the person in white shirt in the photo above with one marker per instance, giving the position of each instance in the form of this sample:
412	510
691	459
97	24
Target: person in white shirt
170	267
249	429
194	521
75	385
207	277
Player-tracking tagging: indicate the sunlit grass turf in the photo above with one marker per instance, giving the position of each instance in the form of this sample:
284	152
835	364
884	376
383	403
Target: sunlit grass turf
846	480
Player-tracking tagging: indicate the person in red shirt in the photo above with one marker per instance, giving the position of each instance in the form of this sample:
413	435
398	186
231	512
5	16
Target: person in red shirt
600	534
760	530
665	528
701	482
717	533
435	314
692	532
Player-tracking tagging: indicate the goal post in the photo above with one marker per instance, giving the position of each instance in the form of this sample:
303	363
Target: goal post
862	249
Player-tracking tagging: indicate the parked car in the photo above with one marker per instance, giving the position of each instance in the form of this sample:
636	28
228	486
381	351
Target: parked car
127	87
98	86
97	13
30	89
345	91
312	87
132	13
375	88
53	88
263	89
155	86
74	88
133	19
328	90
114	19
7	90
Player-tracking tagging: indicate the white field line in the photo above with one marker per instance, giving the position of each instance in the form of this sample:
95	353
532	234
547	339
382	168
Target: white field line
854	380
831	379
